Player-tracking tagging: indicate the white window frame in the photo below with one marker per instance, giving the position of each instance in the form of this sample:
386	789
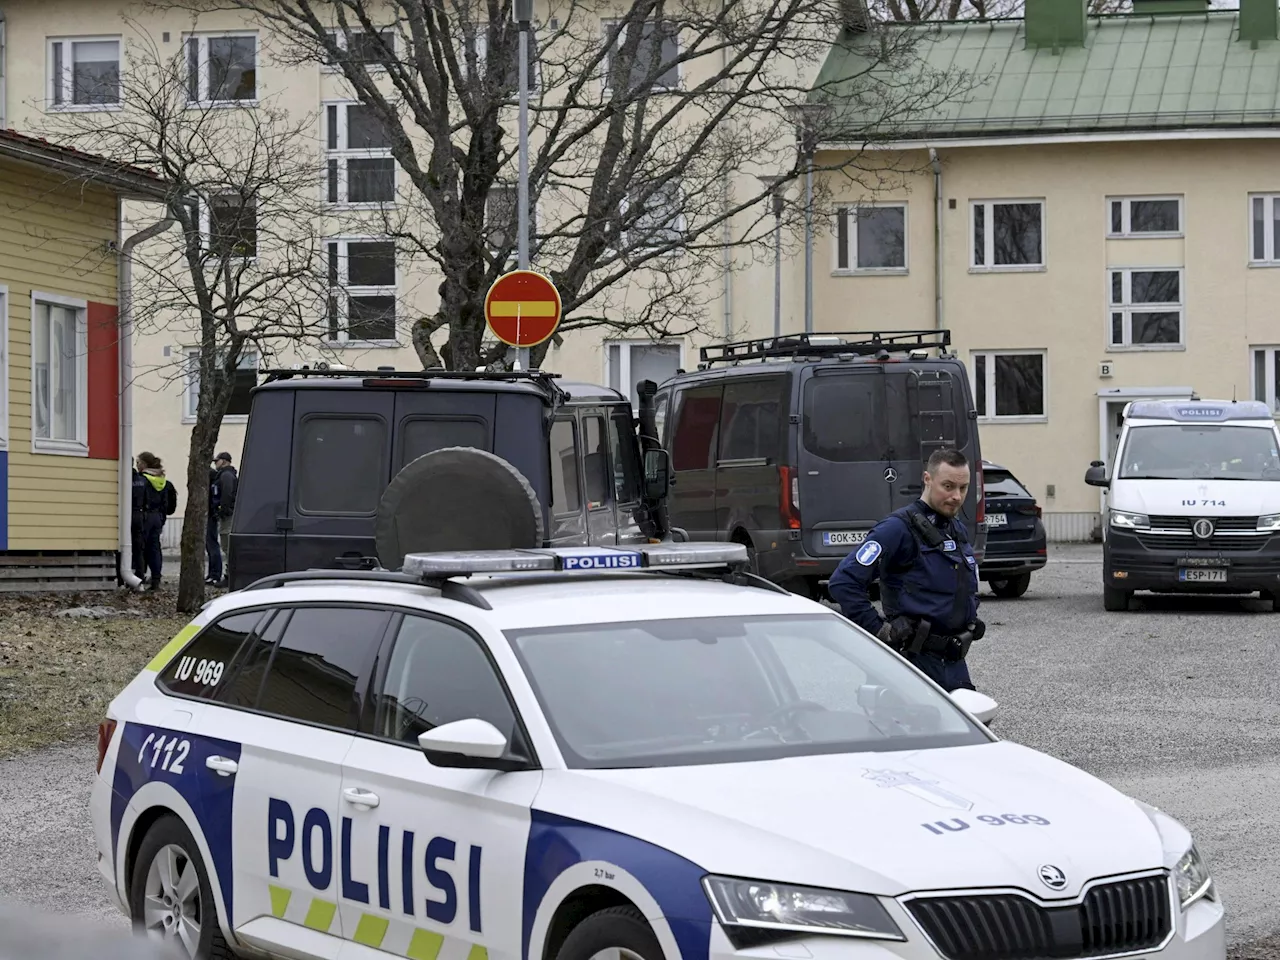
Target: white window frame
206	234
79	447
340	38
990	376
1270	381
342	153
989	236
656	88
66	81
344	291
1269	201
1128	308
202	71
624	354
4	365
851	212
1126	212
190	383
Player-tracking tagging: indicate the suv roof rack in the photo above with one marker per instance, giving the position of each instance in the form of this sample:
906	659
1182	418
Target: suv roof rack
862	343
540	378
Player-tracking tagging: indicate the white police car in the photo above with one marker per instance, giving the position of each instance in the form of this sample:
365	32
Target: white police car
604	761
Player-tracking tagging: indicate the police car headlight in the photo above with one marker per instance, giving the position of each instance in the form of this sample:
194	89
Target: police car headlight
764	906
1270	524
1192	877
1130	521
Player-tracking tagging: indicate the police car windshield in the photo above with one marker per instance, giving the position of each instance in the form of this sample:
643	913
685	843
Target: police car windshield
1199	451
726	689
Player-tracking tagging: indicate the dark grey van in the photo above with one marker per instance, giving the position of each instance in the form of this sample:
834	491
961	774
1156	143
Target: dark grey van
352	469
797	446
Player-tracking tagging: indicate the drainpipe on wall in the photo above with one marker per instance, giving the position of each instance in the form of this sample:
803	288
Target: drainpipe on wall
937	238
124	299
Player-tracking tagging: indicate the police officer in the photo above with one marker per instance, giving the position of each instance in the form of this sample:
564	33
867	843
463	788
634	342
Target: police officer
928	577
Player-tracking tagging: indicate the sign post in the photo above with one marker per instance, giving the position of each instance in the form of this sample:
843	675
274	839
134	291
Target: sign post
522	309
524	14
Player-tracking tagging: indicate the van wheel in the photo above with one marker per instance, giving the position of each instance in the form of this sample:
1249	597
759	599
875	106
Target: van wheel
618	933
1274	597
1011	588
1114	600
170	897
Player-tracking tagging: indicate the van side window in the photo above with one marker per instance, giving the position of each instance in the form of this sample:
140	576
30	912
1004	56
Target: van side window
595	461
626	458
423	435
341	465
696	430
565	496
749	420
840	418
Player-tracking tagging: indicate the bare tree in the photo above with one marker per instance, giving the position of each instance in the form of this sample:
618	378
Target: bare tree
647	120
242	272
921	11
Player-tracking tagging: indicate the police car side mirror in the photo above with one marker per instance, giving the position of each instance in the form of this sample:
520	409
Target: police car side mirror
1096	475
657	473
978	704
464	743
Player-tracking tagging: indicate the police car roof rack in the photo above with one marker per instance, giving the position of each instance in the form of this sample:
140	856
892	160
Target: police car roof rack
449	589
859	343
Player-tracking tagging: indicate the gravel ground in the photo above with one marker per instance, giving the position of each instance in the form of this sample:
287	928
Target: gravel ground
1175	703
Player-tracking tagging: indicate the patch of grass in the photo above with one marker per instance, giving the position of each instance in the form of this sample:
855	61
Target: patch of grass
57	674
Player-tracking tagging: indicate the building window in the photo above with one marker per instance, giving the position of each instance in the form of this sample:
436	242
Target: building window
1146	308
59	375
230	226
1008	234
502	219
510	79
362	299
359	165
1264	245
222	69
661	37
627	362
661	223
1009	385
246	380
1266	376
1144	216
365	48
871	238
84	73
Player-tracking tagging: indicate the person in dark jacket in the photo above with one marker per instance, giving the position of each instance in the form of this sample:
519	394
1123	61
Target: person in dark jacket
139	560
212	547
159	501
224	491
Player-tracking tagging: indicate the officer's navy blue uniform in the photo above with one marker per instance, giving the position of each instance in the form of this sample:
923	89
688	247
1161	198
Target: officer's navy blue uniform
936	584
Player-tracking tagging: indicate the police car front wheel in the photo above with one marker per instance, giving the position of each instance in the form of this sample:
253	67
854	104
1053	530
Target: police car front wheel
618	933
170	895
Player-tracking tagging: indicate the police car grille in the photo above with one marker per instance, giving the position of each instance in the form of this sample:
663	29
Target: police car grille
1187	541
1161	522
1117	918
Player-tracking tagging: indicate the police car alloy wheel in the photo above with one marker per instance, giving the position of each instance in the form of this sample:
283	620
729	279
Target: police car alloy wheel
170	896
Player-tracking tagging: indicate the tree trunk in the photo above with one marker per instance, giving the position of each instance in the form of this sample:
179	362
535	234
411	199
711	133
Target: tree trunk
195	520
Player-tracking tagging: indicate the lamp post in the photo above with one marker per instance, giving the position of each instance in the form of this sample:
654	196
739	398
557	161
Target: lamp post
524	15
807	118
774	185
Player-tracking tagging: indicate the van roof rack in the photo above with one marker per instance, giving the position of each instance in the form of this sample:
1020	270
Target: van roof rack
540	378
860	343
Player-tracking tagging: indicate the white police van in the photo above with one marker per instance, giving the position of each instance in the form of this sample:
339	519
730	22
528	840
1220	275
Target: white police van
579	754
1194	501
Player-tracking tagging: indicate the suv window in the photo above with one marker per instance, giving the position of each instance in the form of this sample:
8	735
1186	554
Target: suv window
340	467
749	422
207	660
693	439
565	496
422	435
1002	483
595	461
839	418
319	659
626	458
438	673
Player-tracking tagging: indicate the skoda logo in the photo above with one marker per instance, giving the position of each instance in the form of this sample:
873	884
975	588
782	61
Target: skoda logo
1052	877
1203	529
890	475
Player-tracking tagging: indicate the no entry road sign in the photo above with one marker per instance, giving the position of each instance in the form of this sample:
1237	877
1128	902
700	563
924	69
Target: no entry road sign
522	308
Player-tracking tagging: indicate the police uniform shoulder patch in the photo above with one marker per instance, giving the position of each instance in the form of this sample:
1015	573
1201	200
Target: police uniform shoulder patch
868	552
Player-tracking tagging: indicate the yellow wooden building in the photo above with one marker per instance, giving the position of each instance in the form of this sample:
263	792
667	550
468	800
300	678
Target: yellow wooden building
60	364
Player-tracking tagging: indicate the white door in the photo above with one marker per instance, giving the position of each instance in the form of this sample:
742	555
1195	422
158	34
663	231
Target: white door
436	855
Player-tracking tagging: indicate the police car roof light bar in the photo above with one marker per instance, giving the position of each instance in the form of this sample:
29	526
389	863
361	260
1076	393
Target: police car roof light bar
1198	411
861	343
577	560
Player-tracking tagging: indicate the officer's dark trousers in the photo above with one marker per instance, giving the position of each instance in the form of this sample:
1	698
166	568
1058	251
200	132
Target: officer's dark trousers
152	524
948	674
139	559
213	548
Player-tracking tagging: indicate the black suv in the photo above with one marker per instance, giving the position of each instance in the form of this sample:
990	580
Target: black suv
1016	541
353	469
797	446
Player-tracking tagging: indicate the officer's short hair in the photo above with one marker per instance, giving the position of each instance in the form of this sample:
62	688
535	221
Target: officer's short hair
948	455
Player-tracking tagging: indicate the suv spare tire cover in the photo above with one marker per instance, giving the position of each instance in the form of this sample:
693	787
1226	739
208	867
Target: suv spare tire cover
456	498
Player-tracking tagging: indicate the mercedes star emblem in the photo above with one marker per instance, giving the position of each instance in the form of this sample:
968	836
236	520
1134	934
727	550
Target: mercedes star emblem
1052	877
1203	529
890	475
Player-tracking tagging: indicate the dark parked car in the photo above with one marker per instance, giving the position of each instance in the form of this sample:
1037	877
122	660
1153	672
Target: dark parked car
1016	543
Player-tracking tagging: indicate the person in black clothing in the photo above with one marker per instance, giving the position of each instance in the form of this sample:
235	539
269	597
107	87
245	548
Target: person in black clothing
138	560
222	504
159	501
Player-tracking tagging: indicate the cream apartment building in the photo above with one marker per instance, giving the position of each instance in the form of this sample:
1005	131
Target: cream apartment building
1107	204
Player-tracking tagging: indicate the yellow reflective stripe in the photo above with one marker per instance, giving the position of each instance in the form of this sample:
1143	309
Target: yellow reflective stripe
425	945
279	901
320	915
165	656
478	953
370	930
